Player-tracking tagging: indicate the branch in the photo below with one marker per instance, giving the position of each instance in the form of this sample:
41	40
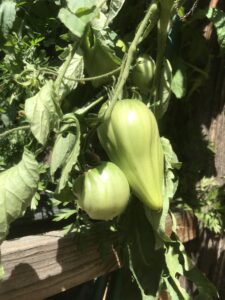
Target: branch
150	17
51	72
84	110
95	77
4	134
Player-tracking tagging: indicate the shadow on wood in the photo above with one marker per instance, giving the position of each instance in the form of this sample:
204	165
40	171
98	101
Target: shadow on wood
40	266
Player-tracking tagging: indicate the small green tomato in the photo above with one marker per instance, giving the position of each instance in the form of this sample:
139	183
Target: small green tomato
143	73
102	192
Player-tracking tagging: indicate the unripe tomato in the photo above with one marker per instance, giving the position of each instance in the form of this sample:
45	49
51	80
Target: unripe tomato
103	192
143	73
131	139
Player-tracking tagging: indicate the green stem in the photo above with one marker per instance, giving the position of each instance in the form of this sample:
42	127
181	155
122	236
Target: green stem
95	77
149	18
164	19
84	110
47	71
205	74
4	134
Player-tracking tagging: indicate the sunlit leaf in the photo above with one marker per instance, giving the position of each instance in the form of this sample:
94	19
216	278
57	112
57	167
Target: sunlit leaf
114	8
7	15
84	5
158	219
77	22
75	70
42	112
72	155
17	187
179	82
218	18
175	268
162	102
61	150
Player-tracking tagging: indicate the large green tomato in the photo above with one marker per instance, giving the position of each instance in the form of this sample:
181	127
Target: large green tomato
103	192
131	139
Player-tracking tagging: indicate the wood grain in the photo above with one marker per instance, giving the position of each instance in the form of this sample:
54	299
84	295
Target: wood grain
40	266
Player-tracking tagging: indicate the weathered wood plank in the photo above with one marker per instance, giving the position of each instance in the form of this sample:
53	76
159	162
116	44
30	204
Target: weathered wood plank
40	266
43	265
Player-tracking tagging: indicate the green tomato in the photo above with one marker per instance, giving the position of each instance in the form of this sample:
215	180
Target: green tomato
103	192
143	73
131	139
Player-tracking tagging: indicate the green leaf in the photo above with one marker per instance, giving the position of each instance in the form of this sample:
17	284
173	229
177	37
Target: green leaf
147	278
175	268
80	5
172	261
42	112
61	150
114	8
65	196
158	219
72	22
7	15
77	23
64	214
218	18
179	263
161	104
34	201
171	162
179	82
17	187
75	70
144	261
158	222
101	50
206	289
2	273
72	156
171	290
98	23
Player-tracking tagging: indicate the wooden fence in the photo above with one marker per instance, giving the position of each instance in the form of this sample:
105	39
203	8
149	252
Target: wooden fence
40	266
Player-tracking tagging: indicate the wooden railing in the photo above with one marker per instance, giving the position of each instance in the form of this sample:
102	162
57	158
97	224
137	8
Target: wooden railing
40	266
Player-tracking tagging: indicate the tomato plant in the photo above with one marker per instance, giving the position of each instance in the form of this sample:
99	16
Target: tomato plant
87	88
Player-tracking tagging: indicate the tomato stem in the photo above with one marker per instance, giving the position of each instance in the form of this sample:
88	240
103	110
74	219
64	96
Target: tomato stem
4	134
150	17
166	7
95	77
